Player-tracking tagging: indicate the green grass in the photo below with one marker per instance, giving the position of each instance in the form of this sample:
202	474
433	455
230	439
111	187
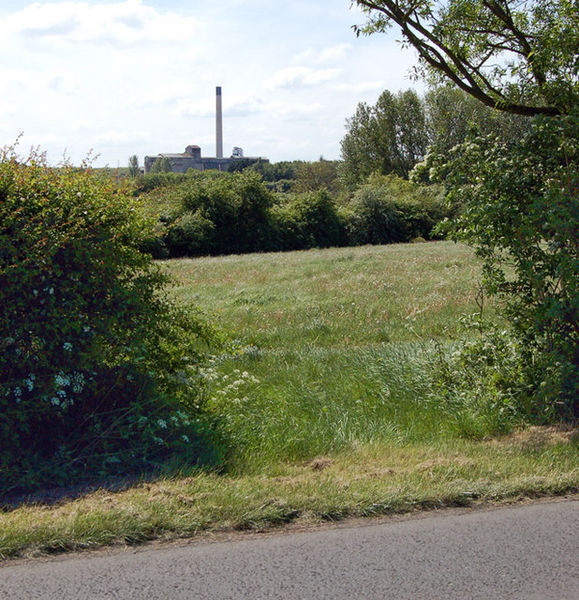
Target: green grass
338	346
337	297
374	479
327	402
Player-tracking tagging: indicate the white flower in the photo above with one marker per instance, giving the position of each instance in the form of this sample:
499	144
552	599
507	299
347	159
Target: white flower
67	346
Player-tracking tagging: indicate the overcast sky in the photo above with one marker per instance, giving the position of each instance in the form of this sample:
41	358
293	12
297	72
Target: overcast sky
123	77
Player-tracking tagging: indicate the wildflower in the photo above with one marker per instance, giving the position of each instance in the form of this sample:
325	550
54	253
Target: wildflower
67	346
61	380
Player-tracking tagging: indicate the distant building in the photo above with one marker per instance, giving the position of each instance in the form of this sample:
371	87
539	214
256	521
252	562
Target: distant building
192	159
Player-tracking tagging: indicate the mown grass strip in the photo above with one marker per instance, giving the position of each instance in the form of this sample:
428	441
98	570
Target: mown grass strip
374	479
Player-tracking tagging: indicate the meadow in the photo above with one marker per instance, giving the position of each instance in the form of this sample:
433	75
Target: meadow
337	345
326	397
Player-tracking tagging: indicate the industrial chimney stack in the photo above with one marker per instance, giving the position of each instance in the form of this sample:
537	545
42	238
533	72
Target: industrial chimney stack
218	125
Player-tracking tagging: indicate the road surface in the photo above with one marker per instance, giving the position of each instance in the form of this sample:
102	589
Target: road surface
522	552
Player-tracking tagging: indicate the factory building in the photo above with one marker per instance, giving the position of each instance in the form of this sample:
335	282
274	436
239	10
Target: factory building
192	159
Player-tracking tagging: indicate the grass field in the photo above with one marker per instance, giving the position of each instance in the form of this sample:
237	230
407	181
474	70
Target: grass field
337	345
327	402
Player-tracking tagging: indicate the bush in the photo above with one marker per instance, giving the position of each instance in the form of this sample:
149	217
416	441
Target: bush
309	220
517	205
219	213
190	234
227	213
389	209
98	368
482	384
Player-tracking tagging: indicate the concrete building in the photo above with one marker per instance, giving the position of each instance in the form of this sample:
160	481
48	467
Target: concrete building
192	159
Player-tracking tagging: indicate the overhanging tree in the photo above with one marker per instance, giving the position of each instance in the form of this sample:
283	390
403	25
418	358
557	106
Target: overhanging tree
516	199
517	56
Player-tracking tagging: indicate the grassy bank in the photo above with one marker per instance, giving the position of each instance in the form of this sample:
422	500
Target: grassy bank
375	479
328	404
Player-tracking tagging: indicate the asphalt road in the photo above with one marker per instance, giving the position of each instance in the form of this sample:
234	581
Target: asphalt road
524	552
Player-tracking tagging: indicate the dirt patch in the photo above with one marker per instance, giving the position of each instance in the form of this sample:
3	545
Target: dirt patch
539	436
321	463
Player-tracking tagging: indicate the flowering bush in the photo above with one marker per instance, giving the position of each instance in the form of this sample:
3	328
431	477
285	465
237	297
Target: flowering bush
517	205
94	357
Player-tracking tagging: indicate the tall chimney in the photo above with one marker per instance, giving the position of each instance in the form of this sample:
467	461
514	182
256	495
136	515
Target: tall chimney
218	125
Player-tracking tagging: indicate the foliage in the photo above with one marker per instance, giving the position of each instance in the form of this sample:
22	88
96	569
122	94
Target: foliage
313	176
99	368
240	164
519	209
280	171
389	209
161	165
389	137
452	116
520	57
309	220
218	213
228	213
134	168
517	201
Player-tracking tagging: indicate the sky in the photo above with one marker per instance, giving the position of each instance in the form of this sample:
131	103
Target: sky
113	78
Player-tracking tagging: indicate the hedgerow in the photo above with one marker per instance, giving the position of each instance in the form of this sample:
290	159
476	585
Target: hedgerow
228	213
98	368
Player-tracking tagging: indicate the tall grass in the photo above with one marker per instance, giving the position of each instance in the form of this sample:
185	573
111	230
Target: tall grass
336	348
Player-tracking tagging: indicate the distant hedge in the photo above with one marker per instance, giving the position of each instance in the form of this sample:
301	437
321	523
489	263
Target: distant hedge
230	213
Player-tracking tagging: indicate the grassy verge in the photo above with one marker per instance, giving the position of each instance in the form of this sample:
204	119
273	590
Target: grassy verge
328	405
371	480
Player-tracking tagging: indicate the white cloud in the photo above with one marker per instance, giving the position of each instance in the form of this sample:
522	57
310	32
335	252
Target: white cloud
116	137
61	84
330	54
201	110
294	77
360	86
124	24
138	76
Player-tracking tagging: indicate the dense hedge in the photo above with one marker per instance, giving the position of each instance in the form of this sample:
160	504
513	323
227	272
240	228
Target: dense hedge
97	366
224	213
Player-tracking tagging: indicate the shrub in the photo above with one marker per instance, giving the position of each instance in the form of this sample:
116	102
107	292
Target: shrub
190	234
517	205
309	220
220	213
388	209
98	367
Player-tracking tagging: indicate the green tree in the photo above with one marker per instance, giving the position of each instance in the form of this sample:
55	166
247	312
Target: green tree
517	201
134	168
517	56
452	115
312	176
389	137
166	166
156	166
93	353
